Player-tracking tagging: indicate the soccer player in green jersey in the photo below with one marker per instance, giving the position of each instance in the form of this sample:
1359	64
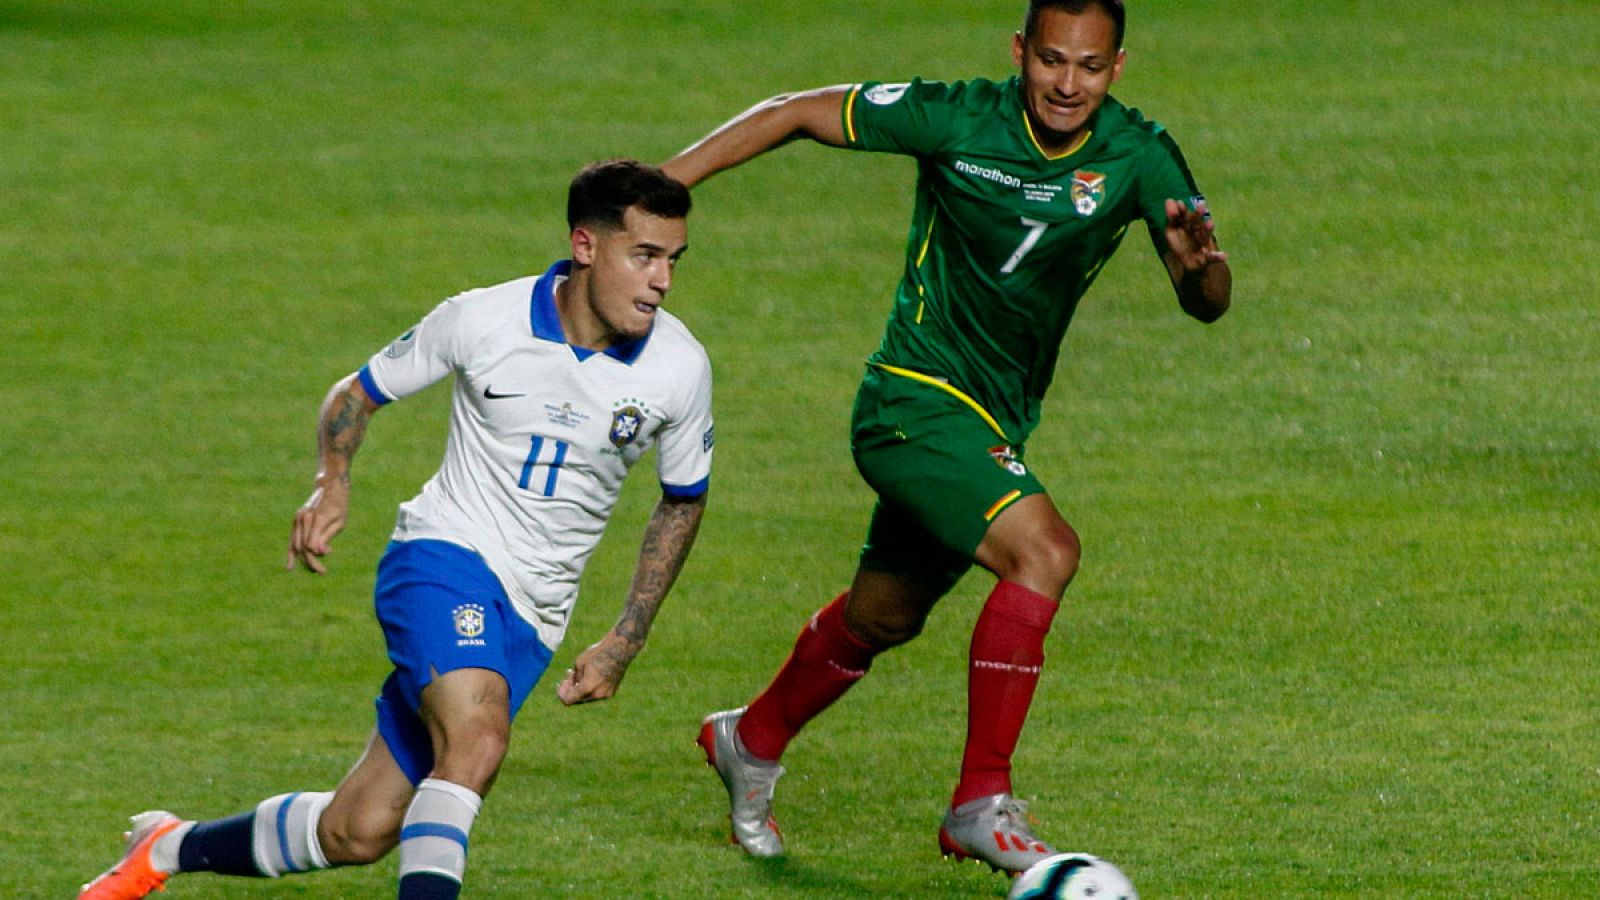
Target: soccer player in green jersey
1025	187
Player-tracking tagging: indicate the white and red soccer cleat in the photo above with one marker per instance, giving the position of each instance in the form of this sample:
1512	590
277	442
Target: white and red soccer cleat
993	830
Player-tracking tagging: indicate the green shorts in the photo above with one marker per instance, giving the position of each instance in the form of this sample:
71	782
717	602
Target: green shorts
941	469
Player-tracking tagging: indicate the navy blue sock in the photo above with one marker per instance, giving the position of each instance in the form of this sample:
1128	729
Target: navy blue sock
428	886
223	846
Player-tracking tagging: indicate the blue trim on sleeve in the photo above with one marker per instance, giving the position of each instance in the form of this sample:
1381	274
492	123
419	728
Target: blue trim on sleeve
687	491
370	384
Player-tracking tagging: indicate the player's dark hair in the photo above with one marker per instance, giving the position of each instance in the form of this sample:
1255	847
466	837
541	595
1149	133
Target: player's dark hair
602	192
1112	8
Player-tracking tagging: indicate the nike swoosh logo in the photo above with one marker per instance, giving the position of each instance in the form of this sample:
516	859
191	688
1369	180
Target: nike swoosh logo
489	394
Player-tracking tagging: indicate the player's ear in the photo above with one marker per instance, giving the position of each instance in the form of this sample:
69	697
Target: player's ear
1019	49
1116	67
584	242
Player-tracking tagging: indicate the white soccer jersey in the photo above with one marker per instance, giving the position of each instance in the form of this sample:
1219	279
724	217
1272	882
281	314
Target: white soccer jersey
542	433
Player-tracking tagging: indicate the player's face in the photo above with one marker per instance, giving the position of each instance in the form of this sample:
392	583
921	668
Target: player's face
1068	65
630	270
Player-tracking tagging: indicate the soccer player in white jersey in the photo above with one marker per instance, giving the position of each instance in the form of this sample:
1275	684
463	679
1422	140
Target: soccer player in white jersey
562	382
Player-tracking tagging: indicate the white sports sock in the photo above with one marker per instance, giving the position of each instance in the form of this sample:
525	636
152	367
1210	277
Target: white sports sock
164	852
285	833
434	835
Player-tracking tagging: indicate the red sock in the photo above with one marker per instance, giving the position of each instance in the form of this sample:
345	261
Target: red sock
827	659
1002	671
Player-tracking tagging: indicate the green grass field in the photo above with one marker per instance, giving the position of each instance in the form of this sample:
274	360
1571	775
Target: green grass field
1336	629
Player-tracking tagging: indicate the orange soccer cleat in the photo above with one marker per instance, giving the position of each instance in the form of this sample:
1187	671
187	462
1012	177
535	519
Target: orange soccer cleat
134	876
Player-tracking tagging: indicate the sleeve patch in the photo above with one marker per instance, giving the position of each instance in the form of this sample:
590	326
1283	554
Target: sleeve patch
401	345
885	94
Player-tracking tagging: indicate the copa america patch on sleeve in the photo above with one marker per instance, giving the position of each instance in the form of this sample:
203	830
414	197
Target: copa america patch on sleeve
401	345
885	94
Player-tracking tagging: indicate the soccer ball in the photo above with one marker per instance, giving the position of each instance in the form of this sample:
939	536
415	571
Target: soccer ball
1072	876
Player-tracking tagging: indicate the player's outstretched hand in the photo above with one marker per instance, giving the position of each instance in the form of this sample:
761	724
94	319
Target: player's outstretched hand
1189	236
316	522
597	672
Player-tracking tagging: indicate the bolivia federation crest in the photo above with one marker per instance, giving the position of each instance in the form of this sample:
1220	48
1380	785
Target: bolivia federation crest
1088	190
1005	457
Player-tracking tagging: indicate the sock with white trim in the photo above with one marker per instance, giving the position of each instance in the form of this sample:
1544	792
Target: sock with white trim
1003	666
433	840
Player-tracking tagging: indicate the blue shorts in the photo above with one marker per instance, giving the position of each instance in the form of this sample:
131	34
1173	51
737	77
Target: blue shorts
441	609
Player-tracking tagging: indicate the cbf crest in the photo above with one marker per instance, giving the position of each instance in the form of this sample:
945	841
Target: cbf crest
627	422
470	623
1088	191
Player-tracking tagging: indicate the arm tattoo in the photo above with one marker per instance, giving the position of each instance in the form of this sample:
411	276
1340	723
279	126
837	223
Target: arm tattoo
341	429
667	540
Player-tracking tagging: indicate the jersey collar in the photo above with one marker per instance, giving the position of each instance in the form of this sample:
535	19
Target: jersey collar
1027	125
546	320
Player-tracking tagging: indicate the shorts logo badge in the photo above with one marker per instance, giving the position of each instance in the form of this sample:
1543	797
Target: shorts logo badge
1088	190
625	426
1006	458
469	622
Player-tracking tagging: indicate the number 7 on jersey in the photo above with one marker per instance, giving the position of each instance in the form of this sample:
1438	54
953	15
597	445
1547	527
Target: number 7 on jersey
1029	241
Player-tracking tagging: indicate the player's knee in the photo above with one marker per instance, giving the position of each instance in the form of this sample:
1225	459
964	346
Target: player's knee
473	751
1050	559
358	840
1062	552
882	629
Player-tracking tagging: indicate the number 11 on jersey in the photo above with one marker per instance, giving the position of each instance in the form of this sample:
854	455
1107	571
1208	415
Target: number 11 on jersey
558	456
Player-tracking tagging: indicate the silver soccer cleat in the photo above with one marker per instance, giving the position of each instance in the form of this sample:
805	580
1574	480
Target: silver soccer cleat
749	783
993	830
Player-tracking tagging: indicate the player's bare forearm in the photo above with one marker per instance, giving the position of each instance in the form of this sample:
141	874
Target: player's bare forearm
341	426
667	540
1206	293
771	123
598	670
1198	268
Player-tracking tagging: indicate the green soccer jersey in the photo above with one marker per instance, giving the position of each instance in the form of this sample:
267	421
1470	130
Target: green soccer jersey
1005	240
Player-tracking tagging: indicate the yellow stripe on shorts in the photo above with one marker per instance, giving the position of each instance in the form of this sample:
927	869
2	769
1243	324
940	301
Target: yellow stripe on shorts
948	389
1000	504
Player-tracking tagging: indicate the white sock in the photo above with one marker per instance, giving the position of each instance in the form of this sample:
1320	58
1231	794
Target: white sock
434	835
164	852
285	833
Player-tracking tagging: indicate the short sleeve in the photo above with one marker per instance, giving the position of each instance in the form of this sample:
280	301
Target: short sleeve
1164	175
683	456
913	118
416	359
